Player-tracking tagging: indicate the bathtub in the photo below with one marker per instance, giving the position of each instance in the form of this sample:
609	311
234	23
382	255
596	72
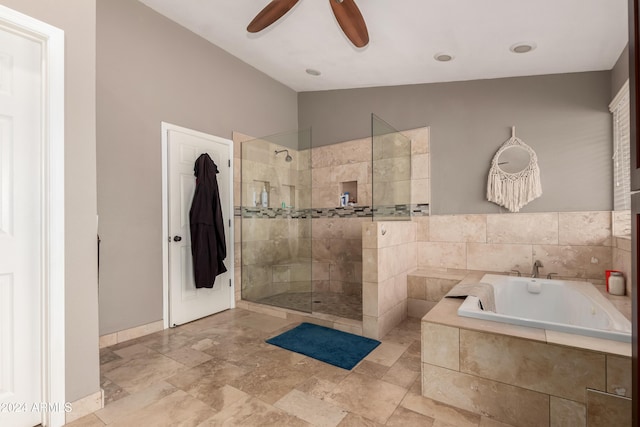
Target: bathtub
558	305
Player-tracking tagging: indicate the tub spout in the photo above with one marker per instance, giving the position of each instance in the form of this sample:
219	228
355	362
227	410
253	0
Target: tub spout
534	272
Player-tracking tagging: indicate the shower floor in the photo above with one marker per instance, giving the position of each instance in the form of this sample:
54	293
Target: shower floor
341	305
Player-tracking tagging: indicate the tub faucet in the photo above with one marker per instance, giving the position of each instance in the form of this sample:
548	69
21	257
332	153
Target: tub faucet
534	272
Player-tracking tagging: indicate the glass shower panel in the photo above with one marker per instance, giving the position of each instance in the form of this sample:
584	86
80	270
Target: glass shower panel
391	172
276	220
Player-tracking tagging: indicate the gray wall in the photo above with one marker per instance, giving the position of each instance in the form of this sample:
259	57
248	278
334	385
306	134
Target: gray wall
77	19
149	70
563	117
620	72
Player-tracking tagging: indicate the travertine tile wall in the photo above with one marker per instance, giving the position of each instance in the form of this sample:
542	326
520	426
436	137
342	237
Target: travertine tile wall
352	161
519	381
573	245
621	223
606	410
337	255
425	288
391	169
335	164
284	181
337	242
622	259
388	254
420	165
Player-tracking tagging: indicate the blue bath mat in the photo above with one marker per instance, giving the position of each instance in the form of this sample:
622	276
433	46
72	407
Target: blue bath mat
337	348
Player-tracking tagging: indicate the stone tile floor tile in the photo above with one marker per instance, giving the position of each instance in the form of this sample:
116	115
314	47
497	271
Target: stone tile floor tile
219	371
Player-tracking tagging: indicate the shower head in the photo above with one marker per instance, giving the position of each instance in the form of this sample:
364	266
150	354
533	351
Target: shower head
286	159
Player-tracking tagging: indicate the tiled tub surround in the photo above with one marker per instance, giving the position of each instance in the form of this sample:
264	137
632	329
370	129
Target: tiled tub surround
426	287
573	245
523	376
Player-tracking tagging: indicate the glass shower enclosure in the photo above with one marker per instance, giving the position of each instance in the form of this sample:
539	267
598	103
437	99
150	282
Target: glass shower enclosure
276	220
391	169
279	267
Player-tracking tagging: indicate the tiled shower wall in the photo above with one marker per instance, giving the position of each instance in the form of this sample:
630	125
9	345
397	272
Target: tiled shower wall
333	165
337	255
337	238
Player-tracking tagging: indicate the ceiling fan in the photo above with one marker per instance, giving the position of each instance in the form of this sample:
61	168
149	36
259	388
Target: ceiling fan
346	12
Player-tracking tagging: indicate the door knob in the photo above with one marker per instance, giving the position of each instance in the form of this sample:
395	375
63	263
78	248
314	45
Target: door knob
177	238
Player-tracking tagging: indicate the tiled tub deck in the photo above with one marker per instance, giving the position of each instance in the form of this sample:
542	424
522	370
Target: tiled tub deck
524	376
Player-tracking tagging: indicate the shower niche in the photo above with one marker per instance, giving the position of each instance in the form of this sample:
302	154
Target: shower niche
288	197
257	199
351	189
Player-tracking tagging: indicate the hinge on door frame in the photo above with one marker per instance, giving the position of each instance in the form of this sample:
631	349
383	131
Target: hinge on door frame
229	282
229	162
229	223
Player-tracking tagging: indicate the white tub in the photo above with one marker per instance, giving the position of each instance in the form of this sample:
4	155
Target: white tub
558	305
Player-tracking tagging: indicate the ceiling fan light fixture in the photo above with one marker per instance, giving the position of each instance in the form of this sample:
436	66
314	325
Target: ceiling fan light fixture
346	12
312	72
522	47
443	57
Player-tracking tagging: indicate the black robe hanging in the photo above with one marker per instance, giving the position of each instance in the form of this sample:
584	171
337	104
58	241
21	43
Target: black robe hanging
208	246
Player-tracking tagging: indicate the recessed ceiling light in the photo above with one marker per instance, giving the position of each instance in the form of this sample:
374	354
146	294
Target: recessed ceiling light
443	57
522	47
312	72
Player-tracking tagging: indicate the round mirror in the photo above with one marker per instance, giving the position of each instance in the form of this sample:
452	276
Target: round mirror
514	159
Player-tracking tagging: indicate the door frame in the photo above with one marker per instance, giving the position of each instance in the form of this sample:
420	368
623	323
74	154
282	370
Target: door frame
634	112
165	128
52	169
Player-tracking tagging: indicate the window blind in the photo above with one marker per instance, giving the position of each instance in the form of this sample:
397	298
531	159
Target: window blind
619	108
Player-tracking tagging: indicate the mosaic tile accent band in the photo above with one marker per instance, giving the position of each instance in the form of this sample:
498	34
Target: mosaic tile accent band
396	211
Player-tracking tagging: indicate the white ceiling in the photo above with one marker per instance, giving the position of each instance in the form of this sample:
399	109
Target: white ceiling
571	36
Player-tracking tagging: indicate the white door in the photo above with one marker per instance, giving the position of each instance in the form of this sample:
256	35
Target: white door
186	303
21	223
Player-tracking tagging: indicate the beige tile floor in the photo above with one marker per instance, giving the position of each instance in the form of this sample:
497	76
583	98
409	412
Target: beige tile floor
219	371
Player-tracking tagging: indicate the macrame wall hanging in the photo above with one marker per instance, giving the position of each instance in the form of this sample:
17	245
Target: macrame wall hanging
514	189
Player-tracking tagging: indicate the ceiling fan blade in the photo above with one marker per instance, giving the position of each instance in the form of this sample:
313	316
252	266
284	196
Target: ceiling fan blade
351	21
270	14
